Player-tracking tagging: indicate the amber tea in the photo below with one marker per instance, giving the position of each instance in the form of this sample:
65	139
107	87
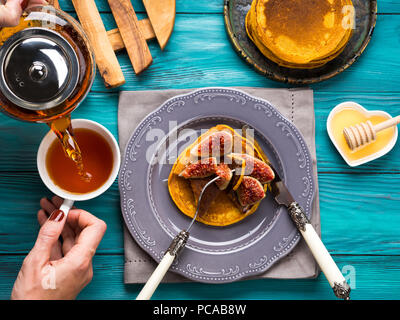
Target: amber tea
47	68
97	158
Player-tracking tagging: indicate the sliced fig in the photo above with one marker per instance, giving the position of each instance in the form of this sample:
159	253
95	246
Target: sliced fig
201	169
216	144
225	175
255	168
250	191
233	196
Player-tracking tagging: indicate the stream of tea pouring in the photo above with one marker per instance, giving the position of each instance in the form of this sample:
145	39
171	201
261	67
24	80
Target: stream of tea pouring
47	68
69	197
63	130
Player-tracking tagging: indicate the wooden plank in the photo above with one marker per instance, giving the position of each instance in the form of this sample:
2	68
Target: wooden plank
16	136
375	278
214	6
133	39
329	159
162	18
358	213
201	57
22	139
114	36
208	59
347	226
22	213
182	6
106	60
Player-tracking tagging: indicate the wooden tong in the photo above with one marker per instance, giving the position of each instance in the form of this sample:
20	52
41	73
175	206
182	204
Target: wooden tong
106	59
131	34
135	42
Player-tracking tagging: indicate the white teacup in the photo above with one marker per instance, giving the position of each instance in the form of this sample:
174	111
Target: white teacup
69	197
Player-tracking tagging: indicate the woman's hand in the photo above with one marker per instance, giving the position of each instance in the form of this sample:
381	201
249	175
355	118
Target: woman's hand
57	269
11	10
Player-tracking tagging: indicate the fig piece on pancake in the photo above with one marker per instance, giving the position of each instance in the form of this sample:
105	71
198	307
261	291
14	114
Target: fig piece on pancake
234	198
250	191
200	169
222	206
225	175
216	144
254	167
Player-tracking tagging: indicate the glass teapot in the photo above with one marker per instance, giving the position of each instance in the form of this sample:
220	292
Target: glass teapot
47	68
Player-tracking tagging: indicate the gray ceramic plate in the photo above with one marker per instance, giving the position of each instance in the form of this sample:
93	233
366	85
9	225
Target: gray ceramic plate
235	12
213	254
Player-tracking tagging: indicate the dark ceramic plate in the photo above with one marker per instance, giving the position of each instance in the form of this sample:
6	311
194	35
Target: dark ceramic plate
235	13
212	254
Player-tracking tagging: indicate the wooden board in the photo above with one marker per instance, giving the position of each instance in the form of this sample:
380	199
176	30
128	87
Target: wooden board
117	43
214	6
208	57
131	34
162	18
359	226
343	212
377	277
106	60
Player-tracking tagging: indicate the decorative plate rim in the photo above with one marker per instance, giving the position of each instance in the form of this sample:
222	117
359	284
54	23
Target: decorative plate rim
229	274
290	80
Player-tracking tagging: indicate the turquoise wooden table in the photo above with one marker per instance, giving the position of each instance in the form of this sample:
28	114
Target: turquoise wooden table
360	207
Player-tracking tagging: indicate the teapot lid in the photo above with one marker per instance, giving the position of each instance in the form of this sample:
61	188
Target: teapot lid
39	69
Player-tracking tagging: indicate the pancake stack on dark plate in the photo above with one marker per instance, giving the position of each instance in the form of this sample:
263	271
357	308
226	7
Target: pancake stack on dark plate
300	34
300	41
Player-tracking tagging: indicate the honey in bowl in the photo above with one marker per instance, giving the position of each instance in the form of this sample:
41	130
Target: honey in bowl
97	159
350	116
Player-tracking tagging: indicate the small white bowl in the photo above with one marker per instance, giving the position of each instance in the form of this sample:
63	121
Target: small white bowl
356	106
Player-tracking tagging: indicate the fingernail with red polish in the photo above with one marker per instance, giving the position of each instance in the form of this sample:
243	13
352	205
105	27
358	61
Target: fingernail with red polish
56	216
24	4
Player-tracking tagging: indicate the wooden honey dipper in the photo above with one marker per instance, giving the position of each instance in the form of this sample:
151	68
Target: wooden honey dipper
365	133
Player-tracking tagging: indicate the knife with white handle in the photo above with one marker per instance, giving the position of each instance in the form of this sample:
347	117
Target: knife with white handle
178	243
328	266
283	197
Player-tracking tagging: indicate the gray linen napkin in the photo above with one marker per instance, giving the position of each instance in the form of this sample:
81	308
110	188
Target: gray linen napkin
295	104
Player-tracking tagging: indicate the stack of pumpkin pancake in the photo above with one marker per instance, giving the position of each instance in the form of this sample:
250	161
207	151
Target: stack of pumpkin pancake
234	196
301	34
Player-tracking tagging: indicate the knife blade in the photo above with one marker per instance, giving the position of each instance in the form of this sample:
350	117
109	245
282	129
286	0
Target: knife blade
283	197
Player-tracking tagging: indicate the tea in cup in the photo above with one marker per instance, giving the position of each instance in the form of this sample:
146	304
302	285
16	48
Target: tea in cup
101	158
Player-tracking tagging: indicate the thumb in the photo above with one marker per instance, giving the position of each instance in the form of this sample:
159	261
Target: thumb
49	234
10	13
